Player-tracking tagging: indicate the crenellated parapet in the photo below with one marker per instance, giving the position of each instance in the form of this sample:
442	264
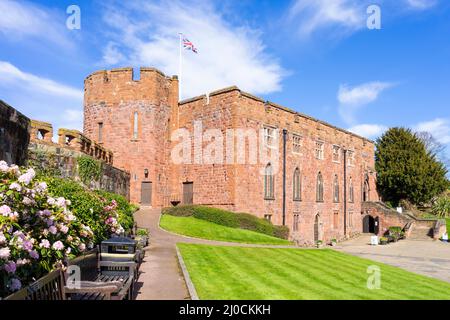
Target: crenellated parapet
42	133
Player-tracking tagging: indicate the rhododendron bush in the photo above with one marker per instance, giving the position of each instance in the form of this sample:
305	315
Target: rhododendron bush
39	232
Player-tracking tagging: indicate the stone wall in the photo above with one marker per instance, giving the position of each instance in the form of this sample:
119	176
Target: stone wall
62	161
14	135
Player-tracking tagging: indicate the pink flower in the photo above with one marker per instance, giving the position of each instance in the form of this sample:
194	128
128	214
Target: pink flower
61	202
64	229
4	166
10	267
51	201
27	245
15	284
82	247
44	244
58	245
27	201
27	177
5	211
2	238
22	262
53	230
4	253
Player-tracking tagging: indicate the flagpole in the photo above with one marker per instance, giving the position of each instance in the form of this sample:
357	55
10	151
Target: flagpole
180	82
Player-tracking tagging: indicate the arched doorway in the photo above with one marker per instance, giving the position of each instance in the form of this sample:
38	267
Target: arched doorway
317	233
370	224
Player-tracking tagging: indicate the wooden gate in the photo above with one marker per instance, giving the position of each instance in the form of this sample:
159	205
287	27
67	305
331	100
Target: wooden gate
188	193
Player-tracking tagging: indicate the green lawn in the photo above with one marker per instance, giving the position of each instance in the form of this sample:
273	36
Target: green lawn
220	272
448	225
197	228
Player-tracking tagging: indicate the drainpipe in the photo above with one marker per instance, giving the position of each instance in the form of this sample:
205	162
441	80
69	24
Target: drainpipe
284	175
345	193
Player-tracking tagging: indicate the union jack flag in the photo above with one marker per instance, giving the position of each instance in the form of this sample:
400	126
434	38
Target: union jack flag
189	45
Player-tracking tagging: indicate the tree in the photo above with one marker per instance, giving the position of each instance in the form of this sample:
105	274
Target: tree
434	146
441	208
406	169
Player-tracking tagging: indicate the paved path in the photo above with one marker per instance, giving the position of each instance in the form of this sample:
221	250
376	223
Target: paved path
161	277
427	257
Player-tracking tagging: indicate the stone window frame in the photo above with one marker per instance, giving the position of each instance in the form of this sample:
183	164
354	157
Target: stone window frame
269	136
351	192
336	190
297	143
295	222
319	188
269	182
297	185
135	125
350	219
351	158
268	217
336	153
319	150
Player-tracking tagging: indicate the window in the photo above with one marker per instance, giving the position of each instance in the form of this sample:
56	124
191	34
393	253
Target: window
295	223
297	185
336	220
100	132
268	183
269	137
135	125
336	188
319	150
268	217
296	143
336	154
351	158
319	188
351	191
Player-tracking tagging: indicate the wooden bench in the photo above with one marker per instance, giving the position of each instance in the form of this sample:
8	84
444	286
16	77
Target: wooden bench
99	280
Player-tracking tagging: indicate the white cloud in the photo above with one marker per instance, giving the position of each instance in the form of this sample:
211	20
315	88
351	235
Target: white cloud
24	19
112	55
421	4
353	98
439	129
228	54
371	131
11	75
312	15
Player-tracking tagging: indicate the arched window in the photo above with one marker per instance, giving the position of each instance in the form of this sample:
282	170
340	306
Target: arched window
336	188
269	183
351	191
297	185
319	188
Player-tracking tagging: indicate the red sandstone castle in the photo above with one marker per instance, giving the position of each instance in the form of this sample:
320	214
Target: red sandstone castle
324	173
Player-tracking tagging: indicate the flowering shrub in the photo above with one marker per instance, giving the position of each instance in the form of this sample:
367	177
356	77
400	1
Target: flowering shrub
37	232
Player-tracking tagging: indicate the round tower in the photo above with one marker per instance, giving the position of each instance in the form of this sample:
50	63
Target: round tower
132	118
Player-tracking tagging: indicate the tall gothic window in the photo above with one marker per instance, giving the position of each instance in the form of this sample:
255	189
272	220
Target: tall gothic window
336	188
351	191
297	185
319	188
268	183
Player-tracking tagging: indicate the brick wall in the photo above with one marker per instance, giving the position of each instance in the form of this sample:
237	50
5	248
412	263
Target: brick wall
14	134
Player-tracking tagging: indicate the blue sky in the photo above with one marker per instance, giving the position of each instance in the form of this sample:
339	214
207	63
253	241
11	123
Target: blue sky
315	56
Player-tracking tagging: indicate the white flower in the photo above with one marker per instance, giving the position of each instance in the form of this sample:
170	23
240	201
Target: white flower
15	186
4	253
2	238
4	166
27	177
51	201
61	202
5	211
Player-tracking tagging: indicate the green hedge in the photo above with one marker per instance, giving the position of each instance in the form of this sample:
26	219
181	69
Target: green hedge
230	219
87	205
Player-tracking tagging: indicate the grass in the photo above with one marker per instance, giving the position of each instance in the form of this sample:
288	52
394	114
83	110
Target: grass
220	272
197	228
448	225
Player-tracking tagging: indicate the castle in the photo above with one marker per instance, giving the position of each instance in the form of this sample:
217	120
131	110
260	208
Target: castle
316	185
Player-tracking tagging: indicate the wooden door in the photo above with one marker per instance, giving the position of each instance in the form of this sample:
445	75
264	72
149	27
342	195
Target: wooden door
146	193
188	193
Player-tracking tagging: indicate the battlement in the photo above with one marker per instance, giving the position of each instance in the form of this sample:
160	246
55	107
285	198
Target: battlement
117	85
42	133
